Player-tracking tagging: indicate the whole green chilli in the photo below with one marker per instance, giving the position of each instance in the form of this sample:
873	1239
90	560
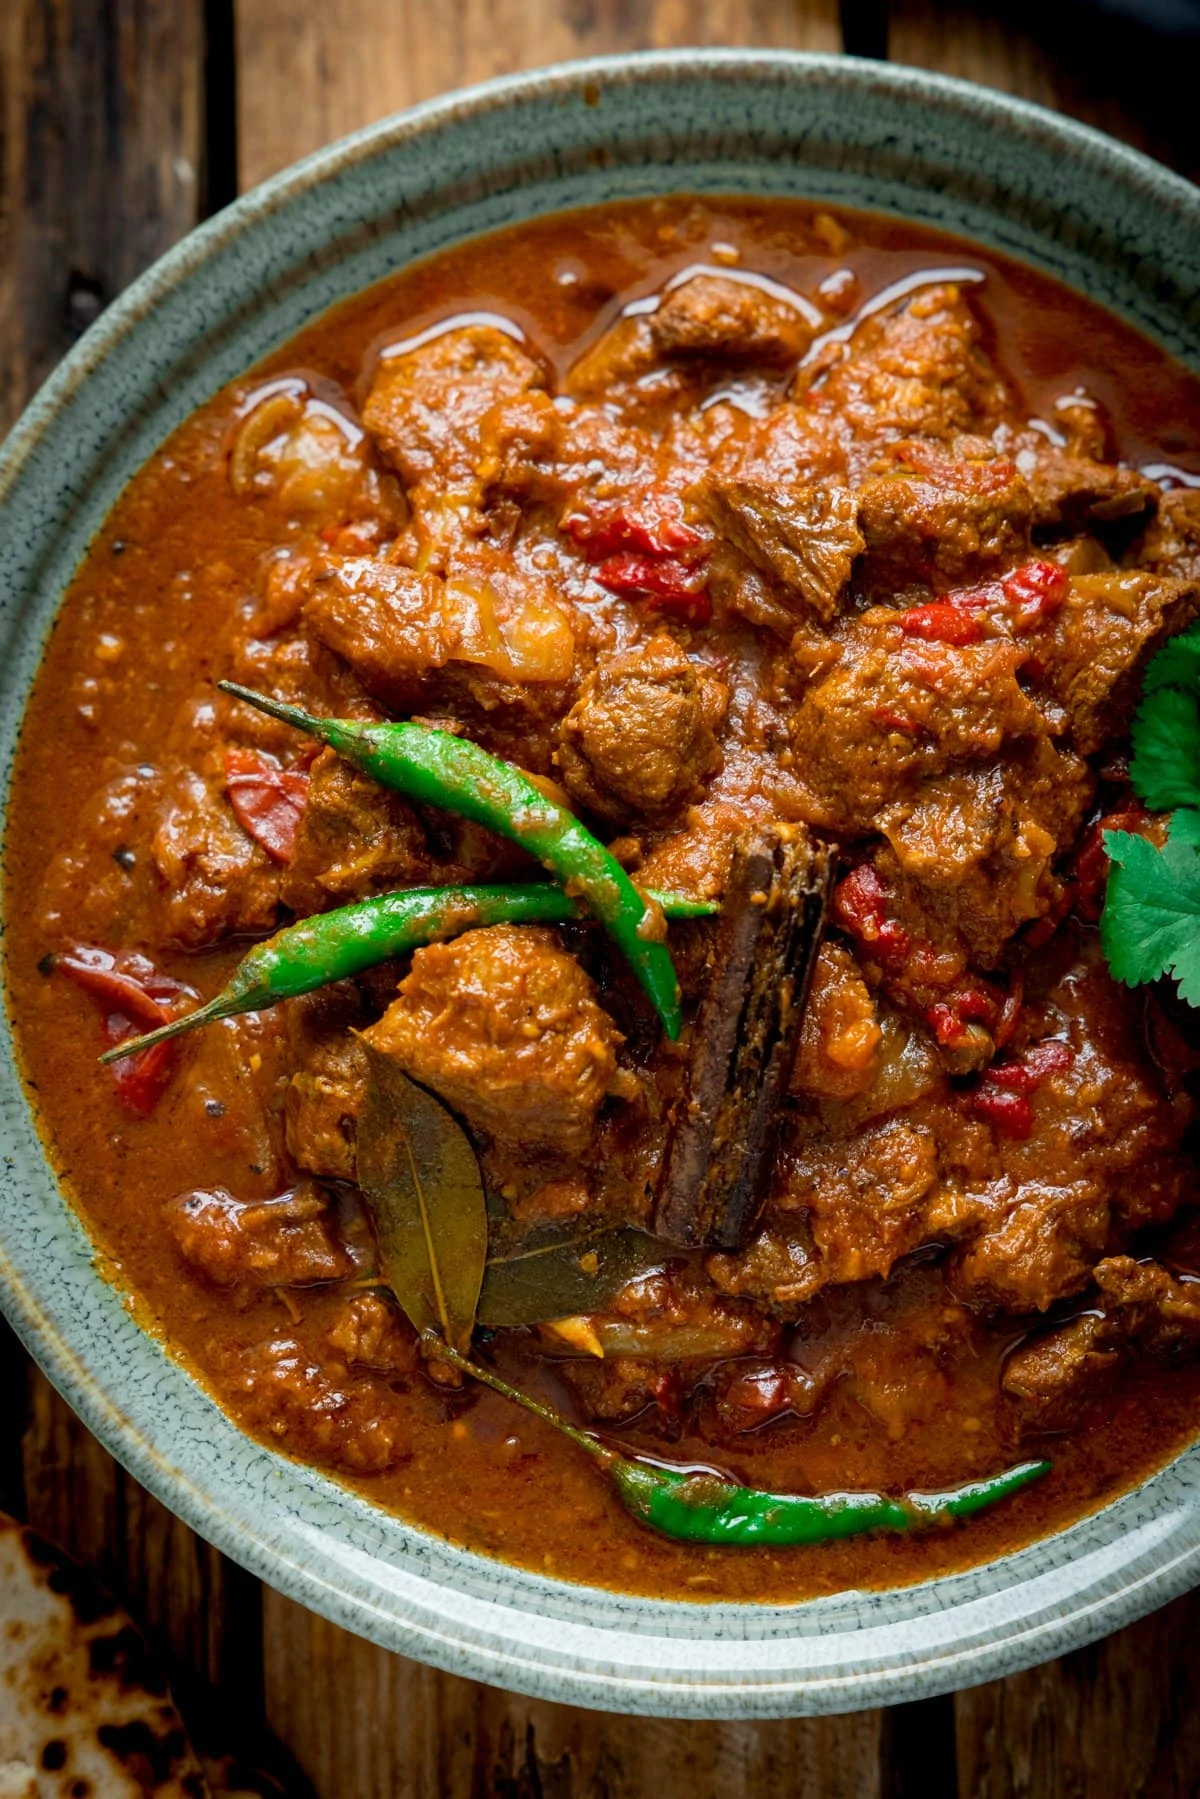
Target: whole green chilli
332	946
695	1507
439	769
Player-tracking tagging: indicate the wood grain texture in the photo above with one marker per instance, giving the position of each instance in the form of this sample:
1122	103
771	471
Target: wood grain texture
100	164
1107	72
308	74
392	1729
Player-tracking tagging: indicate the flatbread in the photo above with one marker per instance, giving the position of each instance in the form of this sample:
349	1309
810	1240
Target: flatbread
85	1712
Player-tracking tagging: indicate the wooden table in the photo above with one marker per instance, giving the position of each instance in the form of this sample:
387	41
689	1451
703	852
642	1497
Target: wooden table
123	122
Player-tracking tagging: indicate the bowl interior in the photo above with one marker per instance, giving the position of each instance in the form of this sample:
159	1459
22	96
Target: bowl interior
865	135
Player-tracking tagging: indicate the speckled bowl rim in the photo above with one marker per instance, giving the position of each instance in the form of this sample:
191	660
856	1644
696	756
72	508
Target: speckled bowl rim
921	143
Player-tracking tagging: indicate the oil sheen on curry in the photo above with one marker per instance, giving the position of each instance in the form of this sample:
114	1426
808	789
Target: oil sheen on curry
801	572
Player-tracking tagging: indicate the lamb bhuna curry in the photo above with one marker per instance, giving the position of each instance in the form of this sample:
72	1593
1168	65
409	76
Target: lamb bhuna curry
620	727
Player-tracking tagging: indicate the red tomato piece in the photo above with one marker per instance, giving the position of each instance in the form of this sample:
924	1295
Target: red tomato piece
136	997
1010	1113
669	585
860	902
1035	592
653	524
267	800
942	621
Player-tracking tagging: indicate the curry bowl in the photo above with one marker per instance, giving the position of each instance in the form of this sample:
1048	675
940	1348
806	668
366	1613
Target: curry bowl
1010	178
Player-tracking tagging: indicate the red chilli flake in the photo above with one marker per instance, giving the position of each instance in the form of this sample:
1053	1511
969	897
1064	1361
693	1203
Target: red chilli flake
135	997
267	800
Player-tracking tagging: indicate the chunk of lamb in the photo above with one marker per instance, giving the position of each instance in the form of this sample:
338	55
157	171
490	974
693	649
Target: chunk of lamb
731	320
1053	1380
425	405
1073	492
215	881
478	644
504	1026
354	838
939	520
802	540
640	739
894	712
973	851
918	371
1089	662
1170	544
1103	1160
318	1410
324	1095
287	1241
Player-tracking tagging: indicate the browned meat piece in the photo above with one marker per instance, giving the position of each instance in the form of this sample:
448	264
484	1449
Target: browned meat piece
728	319
1161	1311
320	1412
1170	544
747	1394
641	737
324	1095
895	712
1103	1127
1052	1379
941	521
503	1024
916	372
614	1391
1073	492
370	1332
215	879
1090	661
479	642
355	838
81	899
840	1038
425	406
288	1241
803	540
973	851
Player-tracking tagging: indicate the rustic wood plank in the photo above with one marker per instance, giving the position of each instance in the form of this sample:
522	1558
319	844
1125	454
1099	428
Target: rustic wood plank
1120	1720
1108	72
396	1730
306	75
100	110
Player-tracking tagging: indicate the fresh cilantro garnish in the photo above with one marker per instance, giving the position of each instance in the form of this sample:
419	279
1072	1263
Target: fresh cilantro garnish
1151	921
1177	664
1165	767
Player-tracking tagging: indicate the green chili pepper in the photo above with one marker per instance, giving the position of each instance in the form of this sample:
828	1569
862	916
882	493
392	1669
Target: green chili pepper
706	1508
331	946
451	772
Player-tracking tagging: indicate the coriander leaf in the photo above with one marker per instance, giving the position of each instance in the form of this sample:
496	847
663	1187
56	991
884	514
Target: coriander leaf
1165	767
1185	827
1177	664
1151	920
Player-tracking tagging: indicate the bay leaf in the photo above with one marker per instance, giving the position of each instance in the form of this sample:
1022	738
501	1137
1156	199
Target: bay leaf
560	1272
423	1190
